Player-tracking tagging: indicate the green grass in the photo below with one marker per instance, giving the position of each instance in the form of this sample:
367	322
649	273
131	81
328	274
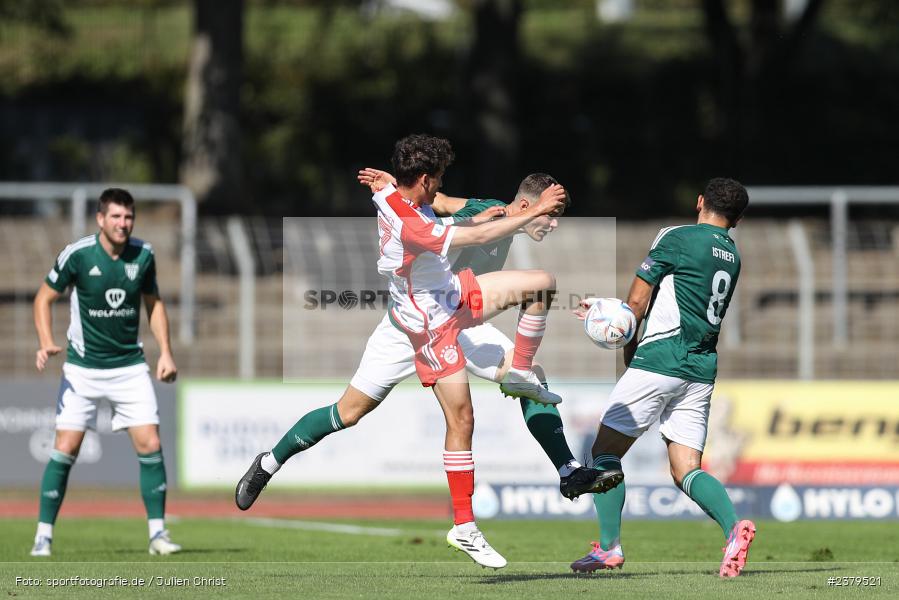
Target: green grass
410	560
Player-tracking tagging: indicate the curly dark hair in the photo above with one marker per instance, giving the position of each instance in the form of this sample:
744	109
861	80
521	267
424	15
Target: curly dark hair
726	197
420	154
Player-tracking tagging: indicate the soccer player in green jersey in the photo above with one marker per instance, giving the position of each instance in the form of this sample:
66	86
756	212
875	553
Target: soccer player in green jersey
389	358
681	291
110	272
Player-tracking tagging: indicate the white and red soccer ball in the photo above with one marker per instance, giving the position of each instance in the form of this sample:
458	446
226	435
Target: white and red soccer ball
609	323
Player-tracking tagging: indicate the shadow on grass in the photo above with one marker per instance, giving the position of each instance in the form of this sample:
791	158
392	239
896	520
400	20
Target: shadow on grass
211	551
822	568
519	577
143	552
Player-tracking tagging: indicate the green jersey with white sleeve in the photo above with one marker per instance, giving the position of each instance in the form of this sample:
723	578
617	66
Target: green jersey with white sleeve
695	270
105	300
480	259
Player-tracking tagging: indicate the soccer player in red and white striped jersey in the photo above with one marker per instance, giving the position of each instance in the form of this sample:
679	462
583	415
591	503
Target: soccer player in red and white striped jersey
432	305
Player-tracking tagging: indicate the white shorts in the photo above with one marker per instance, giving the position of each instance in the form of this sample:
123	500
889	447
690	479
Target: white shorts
389	357
128	390
682	407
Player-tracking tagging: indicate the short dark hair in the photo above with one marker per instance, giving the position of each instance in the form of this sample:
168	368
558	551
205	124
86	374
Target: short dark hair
114	196
726	197
420	154
534	184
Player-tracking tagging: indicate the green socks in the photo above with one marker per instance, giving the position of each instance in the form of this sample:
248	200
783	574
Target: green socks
152	483
609	505
701	487
545	425
307	432
56	476
710	495
53	485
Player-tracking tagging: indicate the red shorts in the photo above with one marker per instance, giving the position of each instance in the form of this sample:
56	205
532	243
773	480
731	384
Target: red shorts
437	352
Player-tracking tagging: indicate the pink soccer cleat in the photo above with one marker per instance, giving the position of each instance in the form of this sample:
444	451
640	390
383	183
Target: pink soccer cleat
737	549
598	558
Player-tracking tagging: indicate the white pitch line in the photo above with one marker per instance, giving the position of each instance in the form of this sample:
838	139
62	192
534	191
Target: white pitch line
330	527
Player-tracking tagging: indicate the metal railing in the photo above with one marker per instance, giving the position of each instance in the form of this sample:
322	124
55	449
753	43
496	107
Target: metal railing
244	307
839	199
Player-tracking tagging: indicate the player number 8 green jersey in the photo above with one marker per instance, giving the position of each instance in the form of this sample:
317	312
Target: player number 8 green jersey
695	270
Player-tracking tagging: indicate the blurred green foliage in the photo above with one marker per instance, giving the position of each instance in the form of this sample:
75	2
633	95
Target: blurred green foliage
629	116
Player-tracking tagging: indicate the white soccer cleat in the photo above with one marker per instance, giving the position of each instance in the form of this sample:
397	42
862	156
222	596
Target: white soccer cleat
162	545
41	546
524	384
476	547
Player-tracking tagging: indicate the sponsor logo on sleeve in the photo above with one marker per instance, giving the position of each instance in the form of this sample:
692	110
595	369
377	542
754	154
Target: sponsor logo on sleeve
438	230
53	275
647	264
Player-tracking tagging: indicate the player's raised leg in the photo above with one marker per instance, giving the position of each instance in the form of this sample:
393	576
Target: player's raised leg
608	449
532	290
53	486
388	359
488	354
454	397
486	359
545	425
310	429
710	495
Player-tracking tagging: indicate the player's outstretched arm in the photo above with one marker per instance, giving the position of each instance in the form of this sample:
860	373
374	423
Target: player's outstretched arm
552	201
43	323
375	179
486	215
159	325
444	205
638	299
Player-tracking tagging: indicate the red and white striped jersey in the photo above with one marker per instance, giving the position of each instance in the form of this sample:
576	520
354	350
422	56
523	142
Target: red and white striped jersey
424	291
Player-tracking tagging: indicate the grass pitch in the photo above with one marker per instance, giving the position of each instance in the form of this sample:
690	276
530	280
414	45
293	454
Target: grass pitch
409	559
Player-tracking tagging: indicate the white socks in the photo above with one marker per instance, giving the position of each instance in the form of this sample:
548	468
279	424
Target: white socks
465	527
269	464
568	468
155	526
44	530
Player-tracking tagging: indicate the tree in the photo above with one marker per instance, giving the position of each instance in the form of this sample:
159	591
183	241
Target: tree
43	14
212	165
493	69
772	44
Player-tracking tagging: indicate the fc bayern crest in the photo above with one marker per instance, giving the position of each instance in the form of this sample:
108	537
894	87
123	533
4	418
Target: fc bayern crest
450	355
131	270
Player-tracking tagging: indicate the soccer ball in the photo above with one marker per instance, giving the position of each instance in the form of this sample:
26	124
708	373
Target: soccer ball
610	323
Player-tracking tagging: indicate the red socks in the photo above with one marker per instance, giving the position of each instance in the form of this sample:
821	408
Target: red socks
459	468
527	340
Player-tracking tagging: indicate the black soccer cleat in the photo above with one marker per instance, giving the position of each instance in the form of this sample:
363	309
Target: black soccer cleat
251	484
585	480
